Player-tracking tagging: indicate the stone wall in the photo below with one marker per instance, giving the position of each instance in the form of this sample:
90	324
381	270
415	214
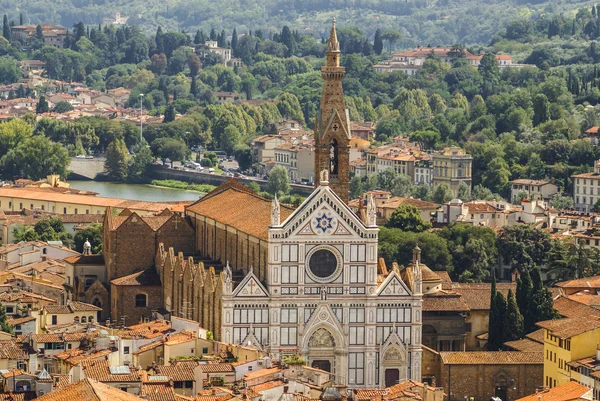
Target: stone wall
123	303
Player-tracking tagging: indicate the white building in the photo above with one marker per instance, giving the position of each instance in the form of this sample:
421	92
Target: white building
323	298
586	189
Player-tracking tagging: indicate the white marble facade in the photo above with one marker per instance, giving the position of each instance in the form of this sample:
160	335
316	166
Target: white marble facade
323	299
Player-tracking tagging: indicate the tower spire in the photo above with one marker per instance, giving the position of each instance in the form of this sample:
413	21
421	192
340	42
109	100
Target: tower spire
332	127
333	45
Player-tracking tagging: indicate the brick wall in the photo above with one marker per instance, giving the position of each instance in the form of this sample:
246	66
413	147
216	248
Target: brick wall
123	303
481	381
135	248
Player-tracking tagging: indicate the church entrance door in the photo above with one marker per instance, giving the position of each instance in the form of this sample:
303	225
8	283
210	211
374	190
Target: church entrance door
322	364
392	377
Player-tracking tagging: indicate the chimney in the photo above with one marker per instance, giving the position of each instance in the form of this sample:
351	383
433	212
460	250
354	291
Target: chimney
286	389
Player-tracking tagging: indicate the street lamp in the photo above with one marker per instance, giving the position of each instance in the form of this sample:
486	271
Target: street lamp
141	111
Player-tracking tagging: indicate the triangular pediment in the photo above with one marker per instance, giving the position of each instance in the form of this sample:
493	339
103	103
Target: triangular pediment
335	127
323	213
251	341
393	286
324	318
250	287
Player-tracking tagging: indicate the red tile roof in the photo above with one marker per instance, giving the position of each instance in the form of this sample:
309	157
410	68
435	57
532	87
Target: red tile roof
563	392
492	358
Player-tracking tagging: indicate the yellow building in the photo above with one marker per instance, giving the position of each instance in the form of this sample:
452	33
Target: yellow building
17	199
565	341
451	166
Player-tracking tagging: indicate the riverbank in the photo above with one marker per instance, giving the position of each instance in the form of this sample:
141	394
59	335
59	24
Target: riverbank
203	188
141	192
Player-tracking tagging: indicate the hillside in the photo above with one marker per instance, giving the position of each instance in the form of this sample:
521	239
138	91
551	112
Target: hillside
421	22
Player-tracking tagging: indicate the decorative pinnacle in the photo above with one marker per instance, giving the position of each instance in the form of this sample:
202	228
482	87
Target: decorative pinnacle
333	45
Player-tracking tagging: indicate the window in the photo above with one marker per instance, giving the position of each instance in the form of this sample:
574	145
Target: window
64	210
83	319
357	335
357	274
126	350
289	274
205	350
250	314
289	315
357	253
141	300
356	368
76	319
249	368
357	315
75	210
9	309
289	335
91	319
54	319
21	205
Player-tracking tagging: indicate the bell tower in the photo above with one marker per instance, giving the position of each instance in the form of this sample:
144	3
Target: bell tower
332	125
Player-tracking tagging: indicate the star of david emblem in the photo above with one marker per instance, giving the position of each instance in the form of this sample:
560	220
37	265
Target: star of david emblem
324	222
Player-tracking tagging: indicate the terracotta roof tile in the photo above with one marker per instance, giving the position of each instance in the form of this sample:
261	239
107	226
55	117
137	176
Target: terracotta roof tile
267	386
525	345
179	372
88	390
76	356
236	206
568	307
563	392
85	259
100	370
157	392
570	327
217	367
477	295
260	373
492	358
444	301
587	282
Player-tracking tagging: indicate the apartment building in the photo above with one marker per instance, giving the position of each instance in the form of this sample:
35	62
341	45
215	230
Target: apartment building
586	189
535	189
451	166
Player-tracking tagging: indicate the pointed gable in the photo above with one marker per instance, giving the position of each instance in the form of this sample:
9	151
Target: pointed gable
393	286
250	287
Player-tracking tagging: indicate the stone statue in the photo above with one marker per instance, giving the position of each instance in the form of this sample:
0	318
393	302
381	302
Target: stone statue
324	176
275	212
371	211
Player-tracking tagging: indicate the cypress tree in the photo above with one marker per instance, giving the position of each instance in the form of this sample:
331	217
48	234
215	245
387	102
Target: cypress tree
493	333
197	38
194	86
21	19
42	105
158	38
6	28
169	113
513	321
378	42
234	42
540	304
524	291
496	329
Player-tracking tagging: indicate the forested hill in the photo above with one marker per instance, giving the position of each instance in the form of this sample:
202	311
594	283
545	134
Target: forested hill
421	22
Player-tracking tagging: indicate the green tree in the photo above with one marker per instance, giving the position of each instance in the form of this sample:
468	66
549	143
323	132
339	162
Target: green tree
561	202
289	107
427	139
171	148
496	320
91	233
541	305
230	138
524	287
278	182
489	69
396	245
357	188
513	321
34	158
463	191
391	37
25	234
541	109
4	326
6	29
378	42
169	113
137	170
408	218
496	175
442	193
42	105
115	165
62	107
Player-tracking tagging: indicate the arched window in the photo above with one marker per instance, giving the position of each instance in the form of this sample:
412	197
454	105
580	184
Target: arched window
91	319
83	319
141	300
334	154
76	319
44	251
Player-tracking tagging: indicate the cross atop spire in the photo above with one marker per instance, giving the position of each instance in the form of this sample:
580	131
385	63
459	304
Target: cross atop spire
333	45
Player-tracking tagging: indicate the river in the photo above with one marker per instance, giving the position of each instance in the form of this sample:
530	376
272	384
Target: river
136	191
